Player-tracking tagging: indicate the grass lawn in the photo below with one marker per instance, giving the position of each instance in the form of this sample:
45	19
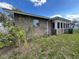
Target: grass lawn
64	46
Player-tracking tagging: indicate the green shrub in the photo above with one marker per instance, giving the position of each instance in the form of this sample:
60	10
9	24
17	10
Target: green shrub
2	44
1	35
15	35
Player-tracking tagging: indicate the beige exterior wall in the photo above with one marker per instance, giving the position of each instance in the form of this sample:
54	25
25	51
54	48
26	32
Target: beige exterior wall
60	30
27	22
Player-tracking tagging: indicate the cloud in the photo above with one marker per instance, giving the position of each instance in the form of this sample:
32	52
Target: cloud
38	2
57	15
72	17
68	16
6	5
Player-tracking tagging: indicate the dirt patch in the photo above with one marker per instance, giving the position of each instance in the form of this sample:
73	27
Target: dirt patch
6	50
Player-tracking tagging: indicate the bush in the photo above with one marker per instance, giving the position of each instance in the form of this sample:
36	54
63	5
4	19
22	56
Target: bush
15	35
2	35
2	44
7	40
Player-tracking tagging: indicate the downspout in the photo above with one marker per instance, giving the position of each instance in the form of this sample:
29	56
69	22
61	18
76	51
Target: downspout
47	28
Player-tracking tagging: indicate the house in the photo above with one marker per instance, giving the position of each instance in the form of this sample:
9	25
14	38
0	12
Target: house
60	25
40	25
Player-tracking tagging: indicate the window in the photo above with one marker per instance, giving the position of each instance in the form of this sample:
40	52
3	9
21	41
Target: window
68	25
36	23
58	25
61	25
53	25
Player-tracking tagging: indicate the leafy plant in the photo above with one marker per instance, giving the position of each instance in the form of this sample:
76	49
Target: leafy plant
2	44
1	35
15	35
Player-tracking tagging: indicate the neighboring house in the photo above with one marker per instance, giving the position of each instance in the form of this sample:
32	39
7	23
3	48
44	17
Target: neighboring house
40	25
60	25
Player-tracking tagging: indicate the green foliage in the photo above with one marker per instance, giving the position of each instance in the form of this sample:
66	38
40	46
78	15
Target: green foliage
2	44
15	35
10	40
18	32
2	35
6	40
64	46
8	23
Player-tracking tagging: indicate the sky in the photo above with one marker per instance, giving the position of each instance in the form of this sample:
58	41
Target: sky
48	8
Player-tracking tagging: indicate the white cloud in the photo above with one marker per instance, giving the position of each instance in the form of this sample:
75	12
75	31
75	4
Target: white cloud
38	2
57	15
69	16
6	5
73	17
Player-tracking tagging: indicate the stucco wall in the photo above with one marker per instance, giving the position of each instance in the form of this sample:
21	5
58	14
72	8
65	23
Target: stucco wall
27	22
